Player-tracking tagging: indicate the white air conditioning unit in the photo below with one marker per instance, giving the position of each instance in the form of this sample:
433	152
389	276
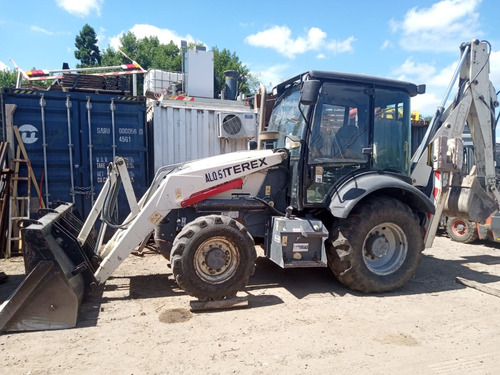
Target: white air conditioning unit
236	125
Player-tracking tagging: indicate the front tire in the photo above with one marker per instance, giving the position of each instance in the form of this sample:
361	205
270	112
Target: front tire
377	248
213	257
461	230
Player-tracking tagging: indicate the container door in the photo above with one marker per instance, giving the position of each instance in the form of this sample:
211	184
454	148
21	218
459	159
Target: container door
113	127
83	133
48	127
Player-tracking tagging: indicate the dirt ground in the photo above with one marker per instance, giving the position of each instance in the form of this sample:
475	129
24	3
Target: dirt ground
299	321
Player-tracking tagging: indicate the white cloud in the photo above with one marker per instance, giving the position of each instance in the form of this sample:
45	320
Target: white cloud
142	31
426	104
101	38
321	56
3	66
81	8
495	69
425	73
271	76
41	30
386	44
280	39
444	76
442	27
438	80
413	71
341	46
246	24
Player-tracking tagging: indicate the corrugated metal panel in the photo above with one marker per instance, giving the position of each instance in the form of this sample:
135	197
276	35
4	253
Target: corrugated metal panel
86	154
190	133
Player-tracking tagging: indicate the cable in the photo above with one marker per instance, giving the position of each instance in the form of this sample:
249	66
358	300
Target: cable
112	196
276	211
487	60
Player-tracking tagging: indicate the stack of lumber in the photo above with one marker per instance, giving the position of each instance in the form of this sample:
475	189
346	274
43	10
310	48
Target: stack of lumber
82	81
117	83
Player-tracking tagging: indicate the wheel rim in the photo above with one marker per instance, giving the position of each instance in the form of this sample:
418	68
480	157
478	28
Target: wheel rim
385	249
459	227
216	260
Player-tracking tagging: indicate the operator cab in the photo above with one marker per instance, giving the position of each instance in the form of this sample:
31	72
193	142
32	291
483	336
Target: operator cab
338	125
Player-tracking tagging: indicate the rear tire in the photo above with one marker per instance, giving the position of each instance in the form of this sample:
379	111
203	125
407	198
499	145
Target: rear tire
213	257
377	248
461	230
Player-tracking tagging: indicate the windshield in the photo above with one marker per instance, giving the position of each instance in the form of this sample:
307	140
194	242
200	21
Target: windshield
286	118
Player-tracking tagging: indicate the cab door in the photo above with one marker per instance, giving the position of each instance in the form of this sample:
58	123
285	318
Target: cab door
339	143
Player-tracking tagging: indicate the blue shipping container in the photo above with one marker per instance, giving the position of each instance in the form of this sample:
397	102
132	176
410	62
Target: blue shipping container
71	138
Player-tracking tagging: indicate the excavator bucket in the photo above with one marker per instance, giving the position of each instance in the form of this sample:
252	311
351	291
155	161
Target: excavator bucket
59	274
470	201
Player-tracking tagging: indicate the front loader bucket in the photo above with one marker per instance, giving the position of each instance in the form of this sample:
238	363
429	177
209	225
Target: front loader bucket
470	201
59	274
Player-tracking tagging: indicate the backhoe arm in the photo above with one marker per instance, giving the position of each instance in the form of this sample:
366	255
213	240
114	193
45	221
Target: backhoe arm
474	196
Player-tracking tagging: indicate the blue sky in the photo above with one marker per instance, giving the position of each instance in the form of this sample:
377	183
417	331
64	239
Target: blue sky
404	39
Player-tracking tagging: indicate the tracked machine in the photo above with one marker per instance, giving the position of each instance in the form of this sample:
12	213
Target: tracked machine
332	184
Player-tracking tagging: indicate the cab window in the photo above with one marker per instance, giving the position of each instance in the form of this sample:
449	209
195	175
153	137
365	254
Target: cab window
392	120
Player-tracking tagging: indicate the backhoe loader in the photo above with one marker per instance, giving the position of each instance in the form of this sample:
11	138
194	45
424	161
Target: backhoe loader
339	189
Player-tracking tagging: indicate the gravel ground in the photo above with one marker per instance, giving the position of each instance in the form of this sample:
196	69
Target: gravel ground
299	321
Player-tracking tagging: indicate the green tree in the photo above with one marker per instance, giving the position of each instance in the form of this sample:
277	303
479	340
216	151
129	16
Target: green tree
87	50
227	60
151	54
8	78
148	52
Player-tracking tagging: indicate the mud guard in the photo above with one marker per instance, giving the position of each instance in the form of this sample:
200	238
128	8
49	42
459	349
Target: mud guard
59	274
347	196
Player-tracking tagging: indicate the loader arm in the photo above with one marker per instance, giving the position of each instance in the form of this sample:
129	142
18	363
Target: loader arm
473	197
61	253
186	185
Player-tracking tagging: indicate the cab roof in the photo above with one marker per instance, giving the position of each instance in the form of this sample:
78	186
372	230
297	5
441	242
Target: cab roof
371	81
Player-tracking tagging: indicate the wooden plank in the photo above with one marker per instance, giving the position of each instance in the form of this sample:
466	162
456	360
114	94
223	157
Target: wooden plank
225	303
478	286
32	174
14	181
5	177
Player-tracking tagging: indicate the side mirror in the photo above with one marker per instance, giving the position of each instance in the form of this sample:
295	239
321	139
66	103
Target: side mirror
309	92
252	145
292	142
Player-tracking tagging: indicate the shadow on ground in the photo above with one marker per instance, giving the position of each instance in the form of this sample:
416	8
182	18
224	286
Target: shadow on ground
433	275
